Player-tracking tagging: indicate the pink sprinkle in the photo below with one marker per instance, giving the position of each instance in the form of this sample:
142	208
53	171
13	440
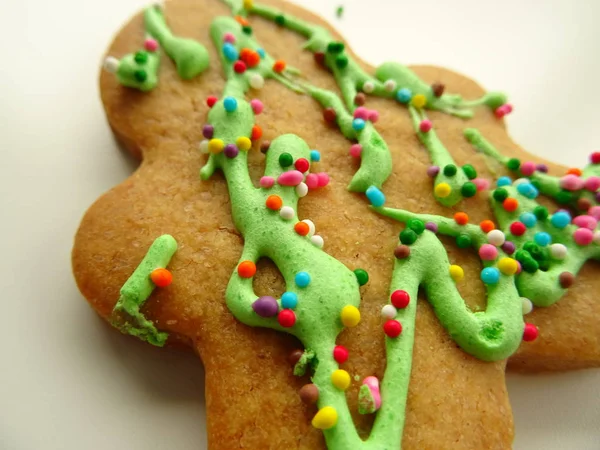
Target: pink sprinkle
373	385
501	111
355	150
361	113
481	184
151	45
592	184
583	236
594	211
267	182
323	179
228	37
527	168
312	181
508	107
432	171
571	182
290	178
585	221
425	126
257	106
373	116
488	252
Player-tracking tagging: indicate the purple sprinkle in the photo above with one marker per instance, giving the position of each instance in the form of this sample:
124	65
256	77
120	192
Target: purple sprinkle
598	196
432	171
509	247
265	306
431	226
542	168
208	131
231	151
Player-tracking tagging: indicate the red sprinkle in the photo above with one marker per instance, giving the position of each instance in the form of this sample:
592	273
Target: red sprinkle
286	318
400	299
530	333
302	165
239	67
595	158
319	58
340	354
256	133
211	100
392	328
518	228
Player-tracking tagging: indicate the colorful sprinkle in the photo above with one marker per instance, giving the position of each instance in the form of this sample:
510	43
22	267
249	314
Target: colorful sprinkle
317	241
368	87
496	237
488	252
456	272
302	279
286	159
400	299
151	45
560	219
326	418
287	212
230	52
230	104
418	101
542	238
329	115
265	306
256	81
510	204
392	328
211	100
340	354
375	196
402	252
267	182
518	228
530	333
508	266
286	318
490	275
301	190
309	394
442	190
389	85
216	145
274	202
432	171
315	155
486	225
301	228
358	124
290	178
231	151
526	305
403	95
503	181
161	277
361	276
350	316
340	379
425	126
246	269
461	218
208	131
279	66
388	312
583	236
243	143
528	219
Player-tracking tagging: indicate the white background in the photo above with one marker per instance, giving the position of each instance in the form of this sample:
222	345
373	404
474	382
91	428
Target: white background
66	380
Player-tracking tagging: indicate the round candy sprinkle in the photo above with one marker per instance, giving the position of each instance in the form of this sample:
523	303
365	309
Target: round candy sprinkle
437	89
408	236
486	225
215	145
289	300
295	356
490	275
528	219
503	181
510	204
461	218
368	87
566	280
456	272
265	306
513	164
312	181
302	279
257	106
400	299
302	165
431	226
279	66
208	131
301	190
594	211
317	241
286	318
373	116
469	189
527	168
211	100
350	316
360	99
340	354
542	238
530	333
592	183
161	277
488	252
358	124
526	305
583	236
322	179
509	247
309	394
267	182
243	143
463	241
231	151
285	159
375	196
560	219
389	85
340	379
595	158
151	45
355	150
246	269
403	95
507	266
301	228
432	171
239	67
287	212
518	228
315	155
311	226
416	225
230	104
571	182
204	146
388	312
361	276
274	202
228	37
450	170
425	126
256	133
500	194
392	328
329	115
442	190
140	75
256	81
402	252
361	113
496	237
326	418
541	168
540	212
418	101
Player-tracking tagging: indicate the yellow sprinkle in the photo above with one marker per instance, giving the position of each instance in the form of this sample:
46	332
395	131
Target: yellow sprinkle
215	145
350	316
326	418
243	143
507	266
248	4
340	379
418	101
442	190
456	272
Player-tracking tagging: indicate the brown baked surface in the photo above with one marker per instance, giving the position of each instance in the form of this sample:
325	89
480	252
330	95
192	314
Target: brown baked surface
455	401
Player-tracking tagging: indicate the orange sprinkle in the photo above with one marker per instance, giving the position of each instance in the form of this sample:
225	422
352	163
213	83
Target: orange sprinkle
461	218
510	204
256	133
246	269
274	202
487	226
302	228
161	277
253	59
279	66
242	21
574	171
244	53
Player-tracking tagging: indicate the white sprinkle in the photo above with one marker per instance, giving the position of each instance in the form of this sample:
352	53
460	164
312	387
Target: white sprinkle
256	81
496	237
527	305
301	190
111	64
368	87
519	181
389	85
311	226
388	312
287	213
203	146
317	241
558	251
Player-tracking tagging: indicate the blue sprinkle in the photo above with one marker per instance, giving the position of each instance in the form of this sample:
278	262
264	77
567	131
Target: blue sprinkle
528	219
315	155
490	275
542	238
560	219
358	124
261	52
289	300
403	95
375	196
230	104
503	181
527	190
230	52
302	279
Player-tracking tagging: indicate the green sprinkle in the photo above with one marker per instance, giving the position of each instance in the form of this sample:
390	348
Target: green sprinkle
513	164
339	11
141	57
335	47
469	171
361	276
500	194
541	212
247	30
463	241
140	75
468	189
341	61
408	236
285	160
530	265
280	19
416	225
564	197
450	170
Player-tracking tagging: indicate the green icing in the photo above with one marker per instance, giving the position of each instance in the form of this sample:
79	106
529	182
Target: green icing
126	315
139	72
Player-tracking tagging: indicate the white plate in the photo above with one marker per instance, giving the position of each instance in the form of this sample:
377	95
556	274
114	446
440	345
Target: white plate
68	382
